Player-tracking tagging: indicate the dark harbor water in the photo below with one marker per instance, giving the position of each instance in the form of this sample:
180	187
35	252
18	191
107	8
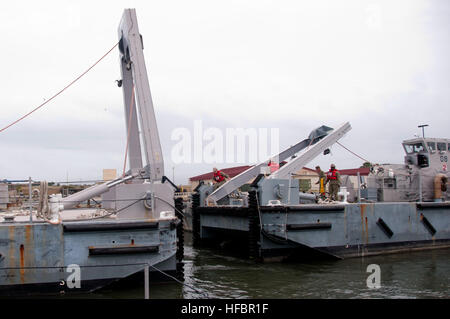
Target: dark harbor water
212	274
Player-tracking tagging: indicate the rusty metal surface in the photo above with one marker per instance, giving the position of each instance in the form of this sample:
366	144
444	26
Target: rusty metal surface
25	246
39	253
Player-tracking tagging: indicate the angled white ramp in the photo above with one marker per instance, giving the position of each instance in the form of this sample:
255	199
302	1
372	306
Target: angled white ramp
311	153
254	171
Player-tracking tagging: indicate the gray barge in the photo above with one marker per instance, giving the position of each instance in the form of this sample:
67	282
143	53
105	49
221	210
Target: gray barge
57	248
396	208
39	258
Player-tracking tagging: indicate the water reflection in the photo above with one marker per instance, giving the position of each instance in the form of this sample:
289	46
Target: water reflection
214	275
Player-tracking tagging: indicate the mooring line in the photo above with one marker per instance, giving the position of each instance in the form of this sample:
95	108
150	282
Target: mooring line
62	90
113	265
180	282
353	152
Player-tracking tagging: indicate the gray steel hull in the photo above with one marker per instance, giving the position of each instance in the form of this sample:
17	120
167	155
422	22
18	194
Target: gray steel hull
359	230
36	257
340	231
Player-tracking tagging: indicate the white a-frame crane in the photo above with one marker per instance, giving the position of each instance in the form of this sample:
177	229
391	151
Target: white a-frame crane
141	192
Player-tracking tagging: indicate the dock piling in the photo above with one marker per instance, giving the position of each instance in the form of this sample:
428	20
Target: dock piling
146	281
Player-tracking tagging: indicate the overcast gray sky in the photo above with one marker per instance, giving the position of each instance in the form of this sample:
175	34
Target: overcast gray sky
294	65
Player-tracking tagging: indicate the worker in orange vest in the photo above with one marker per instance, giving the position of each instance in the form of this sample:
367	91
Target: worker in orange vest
334	177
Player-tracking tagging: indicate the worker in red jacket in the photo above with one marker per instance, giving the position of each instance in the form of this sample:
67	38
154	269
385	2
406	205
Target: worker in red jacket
219	178
274	166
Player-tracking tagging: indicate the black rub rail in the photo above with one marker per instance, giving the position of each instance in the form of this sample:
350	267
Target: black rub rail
305	208
312	226
87	227
433	205
93	251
